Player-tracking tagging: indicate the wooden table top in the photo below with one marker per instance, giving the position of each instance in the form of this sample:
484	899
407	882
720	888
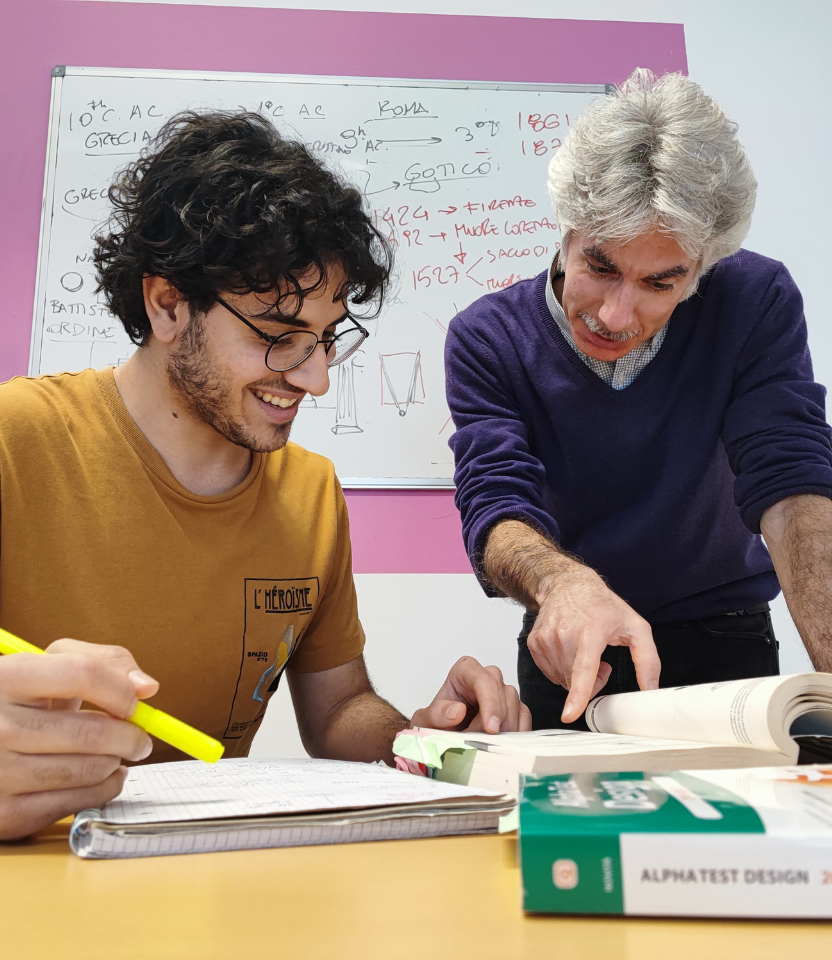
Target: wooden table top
449	897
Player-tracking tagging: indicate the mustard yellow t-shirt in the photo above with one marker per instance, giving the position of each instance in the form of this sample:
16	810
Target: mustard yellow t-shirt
212	595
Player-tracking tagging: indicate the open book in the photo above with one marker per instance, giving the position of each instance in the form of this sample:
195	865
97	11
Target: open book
737	723
194	807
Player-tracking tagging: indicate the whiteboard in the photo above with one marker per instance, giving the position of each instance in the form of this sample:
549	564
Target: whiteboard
454	175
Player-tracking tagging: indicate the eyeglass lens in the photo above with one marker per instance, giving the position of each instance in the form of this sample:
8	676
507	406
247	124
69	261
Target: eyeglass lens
292	349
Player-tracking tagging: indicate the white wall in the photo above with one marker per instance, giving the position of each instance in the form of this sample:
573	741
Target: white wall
770	66
417	626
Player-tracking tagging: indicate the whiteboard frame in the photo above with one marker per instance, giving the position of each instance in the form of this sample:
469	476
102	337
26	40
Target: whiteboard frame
45	236
60	73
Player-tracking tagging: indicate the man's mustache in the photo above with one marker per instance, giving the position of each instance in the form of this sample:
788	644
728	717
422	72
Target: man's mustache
596	327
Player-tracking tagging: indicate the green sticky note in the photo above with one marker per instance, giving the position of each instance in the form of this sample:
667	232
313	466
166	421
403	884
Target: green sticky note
428	750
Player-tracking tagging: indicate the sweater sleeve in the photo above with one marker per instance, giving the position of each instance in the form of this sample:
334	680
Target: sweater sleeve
497	476
775	431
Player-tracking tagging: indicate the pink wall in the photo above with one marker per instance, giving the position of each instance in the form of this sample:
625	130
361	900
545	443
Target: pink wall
393	532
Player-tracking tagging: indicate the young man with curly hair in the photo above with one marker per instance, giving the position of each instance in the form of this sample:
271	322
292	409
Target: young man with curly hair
156	514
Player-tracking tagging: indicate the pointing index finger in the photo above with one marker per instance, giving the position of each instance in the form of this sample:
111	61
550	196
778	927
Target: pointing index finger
584	674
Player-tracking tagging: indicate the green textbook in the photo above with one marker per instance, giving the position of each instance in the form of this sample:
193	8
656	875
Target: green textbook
755	842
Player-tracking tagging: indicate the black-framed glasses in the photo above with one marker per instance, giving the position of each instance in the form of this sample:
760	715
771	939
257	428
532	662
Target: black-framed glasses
288	350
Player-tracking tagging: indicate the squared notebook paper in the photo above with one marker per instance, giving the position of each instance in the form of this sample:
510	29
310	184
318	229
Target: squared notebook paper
753	843
765	721
194	807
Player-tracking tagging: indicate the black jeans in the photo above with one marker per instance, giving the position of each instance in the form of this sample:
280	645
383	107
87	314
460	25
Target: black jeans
728	647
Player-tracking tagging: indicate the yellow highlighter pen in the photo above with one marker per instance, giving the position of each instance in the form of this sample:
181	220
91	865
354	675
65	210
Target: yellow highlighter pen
153	721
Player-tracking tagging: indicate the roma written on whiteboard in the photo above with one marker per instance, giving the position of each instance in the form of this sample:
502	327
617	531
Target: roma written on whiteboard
454	176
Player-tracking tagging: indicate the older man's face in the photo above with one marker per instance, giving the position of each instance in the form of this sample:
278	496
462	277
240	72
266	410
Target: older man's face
617	296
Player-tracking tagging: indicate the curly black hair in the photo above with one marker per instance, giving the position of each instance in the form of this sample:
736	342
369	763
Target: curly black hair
221	202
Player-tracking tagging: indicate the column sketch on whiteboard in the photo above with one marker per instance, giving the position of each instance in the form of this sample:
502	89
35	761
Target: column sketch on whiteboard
346	413
454	179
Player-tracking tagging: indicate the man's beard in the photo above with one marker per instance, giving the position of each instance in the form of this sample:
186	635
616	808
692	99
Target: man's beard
207	393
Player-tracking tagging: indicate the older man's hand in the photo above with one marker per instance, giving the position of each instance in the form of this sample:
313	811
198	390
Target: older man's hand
475	697
579	617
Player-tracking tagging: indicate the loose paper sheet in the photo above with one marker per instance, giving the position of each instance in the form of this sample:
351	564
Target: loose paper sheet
191	790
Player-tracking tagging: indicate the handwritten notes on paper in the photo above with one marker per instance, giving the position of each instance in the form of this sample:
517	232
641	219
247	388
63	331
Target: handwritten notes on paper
190	790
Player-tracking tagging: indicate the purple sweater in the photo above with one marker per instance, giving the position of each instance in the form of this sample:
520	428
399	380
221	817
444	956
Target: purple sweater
659	487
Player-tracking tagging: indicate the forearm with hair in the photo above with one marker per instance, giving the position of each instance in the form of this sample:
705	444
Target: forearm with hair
798	533
523	564
362	728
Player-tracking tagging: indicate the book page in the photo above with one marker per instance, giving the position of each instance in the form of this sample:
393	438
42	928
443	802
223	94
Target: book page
734	713
191	790
789	800
568	743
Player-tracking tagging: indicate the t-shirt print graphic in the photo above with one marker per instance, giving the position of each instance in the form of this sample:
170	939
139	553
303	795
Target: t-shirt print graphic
276	614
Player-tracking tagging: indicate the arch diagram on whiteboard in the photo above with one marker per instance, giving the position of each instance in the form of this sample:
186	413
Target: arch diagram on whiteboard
401	380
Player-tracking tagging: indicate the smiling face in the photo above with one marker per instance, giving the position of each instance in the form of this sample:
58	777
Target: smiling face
218	366
616	296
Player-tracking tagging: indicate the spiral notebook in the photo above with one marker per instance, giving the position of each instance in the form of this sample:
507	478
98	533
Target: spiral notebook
194	807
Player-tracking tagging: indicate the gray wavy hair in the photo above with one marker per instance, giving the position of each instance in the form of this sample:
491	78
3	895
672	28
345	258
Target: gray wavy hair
657	154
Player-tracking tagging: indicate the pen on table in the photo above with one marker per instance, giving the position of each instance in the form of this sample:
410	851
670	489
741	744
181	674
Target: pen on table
151	720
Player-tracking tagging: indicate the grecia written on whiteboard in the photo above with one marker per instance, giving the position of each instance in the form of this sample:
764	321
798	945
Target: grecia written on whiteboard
507	221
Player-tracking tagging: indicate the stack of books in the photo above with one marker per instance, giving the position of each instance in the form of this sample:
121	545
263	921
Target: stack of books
765	721
678	802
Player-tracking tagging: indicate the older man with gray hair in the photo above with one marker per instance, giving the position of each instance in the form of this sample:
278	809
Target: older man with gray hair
630	421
